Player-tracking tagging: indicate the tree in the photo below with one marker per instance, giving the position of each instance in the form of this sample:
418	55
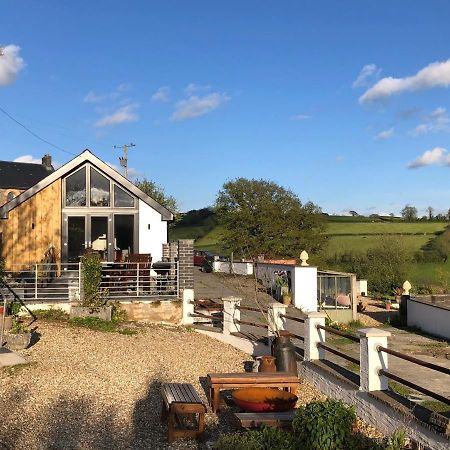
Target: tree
409	213
261	217
430	212
158	194
353	213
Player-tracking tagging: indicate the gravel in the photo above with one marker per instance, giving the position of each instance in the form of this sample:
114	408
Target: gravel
84	389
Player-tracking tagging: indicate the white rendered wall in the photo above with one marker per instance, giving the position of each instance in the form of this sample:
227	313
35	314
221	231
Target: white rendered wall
429	318
151	240
304	288
239	268
361	287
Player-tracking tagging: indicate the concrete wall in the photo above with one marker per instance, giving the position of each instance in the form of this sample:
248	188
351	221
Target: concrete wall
361	287
238	268
432	319
152	231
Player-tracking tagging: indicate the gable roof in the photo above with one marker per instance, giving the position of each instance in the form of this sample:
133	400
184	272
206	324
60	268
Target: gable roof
83	157
19	175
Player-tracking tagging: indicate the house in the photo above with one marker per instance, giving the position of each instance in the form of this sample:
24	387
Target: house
83	204
16	177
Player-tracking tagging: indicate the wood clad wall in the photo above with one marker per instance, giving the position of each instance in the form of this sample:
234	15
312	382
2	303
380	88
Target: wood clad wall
32	227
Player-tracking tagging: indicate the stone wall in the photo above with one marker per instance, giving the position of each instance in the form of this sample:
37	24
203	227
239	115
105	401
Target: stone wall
155	311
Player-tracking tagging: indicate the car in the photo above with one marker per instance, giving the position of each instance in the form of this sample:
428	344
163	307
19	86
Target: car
200	257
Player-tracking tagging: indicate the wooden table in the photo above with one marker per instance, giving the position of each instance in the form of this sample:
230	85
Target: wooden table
220	381
182	399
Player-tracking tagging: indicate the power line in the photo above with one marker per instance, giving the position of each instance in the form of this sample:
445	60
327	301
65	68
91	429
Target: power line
33	133
124	160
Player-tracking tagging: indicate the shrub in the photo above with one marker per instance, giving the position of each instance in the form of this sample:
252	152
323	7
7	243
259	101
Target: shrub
51	314
264	439
91	267
324	425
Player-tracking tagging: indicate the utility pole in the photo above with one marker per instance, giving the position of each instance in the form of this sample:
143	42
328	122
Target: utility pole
124	160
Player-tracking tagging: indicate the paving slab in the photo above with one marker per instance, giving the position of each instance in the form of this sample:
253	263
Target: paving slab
9	358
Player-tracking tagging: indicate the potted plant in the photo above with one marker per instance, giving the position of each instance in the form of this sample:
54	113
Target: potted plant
12	309
398	292
282	284
387	305
19	336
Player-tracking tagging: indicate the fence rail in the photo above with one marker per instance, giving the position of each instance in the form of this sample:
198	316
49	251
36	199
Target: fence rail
295	319
338	332
338	353
414	386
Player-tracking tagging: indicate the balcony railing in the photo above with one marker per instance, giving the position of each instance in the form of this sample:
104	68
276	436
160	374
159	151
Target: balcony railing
46	282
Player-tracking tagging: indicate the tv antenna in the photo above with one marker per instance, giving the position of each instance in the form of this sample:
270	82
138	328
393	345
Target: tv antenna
124	159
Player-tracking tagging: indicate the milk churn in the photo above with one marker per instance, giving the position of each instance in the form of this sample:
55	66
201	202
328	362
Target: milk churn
284	353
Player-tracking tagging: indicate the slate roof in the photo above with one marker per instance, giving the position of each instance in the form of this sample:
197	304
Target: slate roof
21	175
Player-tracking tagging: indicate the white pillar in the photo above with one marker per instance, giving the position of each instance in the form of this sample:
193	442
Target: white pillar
231	314
304	288
371	360
276	322
313	336
188	306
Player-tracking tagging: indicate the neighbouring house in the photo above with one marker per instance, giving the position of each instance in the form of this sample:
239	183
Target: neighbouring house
83	204
16	177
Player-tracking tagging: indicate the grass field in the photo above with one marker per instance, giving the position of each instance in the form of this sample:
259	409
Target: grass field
365	228
356	243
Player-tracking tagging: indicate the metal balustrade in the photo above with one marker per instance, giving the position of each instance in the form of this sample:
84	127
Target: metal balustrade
48	282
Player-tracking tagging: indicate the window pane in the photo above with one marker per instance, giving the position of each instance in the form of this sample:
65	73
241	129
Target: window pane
122	199
123	236
99	189
76	189
99	236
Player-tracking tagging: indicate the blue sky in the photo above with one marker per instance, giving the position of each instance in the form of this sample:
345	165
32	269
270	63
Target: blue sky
297	92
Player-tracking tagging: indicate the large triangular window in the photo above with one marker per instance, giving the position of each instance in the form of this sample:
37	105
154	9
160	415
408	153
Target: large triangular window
122	199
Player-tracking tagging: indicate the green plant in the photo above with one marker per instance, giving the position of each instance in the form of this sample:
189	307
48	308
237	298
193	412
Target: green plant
118	314
94	323
51	314
13	308
324	425
264	439
93	296
18	327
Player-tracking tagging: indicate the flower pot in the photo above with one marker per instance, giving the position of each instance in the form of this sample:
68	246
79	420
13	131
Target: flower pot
388	306
287	299
267	364
18	341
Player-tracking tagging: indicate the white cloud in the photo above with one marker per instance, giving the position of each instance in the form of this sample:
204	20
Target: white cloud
192	88
433	75
300	117
92	97
122	115
132	172
368	73
10	64
435	122
195	106
438	156
28	159
385	134
161	95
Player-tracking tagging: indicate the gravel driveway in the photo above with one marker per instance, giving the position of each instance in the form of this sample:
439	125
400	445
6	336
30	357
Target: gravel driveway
85	389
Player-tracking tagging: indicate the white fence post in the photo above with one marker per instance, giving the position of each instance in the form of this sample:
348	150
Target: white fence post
35	281
276	322
314	335
231	314
371	360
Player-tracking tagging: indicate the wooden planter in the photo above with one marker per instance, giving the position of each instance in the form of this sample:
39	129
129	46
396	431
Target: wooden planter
103	312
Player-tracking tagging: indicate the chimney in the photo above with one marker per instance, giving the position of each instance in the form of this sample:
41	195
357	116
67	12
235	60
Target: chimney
47	162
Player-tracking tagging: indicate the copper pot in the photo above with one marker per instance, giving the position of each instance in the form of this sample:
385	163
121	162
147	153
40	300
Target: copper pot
267	364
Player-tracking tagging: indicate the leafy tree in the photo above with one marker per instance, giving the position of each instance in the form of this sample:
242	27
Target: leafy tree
261	217
158	194
386	266
409	213
430	212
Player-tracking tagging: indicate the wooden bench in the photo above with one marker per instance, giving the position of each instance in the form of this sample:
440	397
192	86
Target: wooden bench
219	381
182	400
270	419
